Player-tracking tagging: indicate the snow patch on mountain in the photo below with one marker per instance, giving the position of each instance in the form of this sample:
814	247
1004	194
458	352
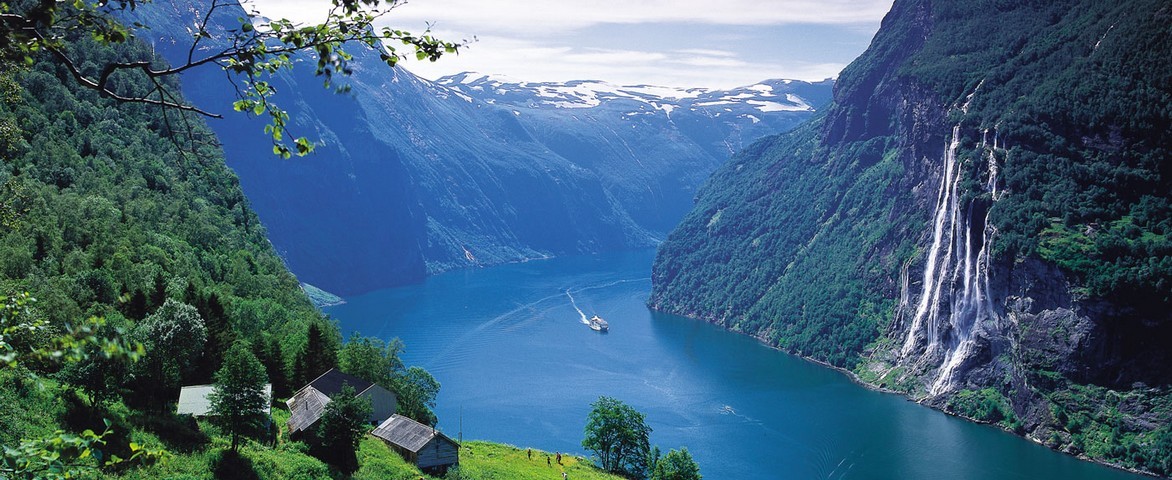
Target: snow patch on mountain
766	97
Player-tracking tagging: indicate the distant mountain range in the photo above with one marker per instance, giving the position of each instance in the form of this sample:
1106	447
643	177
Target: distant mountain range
419	177
651	146
766	97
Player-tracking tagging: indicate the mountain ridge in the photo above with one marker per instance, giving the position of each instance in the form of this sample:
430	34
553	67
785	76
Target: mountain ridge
591	93
413	179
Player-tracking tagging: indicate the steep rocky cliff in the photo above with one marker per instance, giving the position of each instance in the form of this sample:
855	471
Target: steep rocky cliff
980	220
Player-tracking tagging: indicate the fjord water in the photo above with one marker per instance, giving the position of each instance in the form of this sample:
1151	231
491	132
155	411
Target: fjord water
517	365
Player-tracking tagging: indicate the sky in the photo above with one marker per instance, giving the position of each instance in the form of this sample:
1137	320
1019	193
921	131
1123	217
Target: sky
677	43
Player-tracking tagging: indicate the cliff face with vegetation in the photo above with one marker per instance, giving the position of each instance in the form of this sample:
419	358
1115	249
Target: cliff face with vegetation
980	219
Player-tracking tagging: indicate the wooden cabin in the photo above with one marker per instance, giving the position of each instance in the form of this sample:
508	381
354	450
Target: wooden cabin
307	405
193	400
427	448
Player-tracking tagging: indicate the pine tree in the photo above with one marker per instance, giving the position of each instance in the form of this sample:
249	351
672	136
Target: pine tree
136	307
221	335
159	294
317	356
191	295
269	352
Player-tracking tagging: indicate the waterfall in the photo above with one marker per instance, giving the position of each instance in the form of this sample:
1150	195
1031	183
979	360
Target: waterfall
943	221
954	296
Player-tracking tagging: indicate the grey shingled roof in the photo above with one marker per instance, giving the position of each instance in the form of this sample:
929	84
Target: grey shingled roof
331	383
193	400
308	404
407	433
305	408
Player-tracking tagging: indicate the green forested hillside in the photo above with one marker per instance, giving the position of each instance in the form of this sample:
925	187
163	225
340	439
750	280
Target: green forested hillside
110	210
745	258
108	213
821	241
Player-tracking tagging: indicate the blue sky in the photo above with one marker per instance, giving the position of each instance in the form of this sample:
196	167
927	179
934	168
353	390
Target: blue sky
680	43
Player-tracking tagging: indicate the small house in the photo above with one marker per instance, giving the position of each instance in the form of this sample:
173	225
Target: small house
307	405
422	445
193	400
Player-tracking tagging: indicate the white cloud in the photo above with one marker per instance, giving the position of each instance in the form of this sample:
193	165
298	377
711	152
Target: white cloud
555	40
533	61
708	52
525	16
532	16
703	61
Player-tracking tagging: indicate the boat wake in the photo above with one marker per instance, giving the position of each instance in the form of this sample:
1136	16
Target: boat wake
478	333
575	304
613	283
839	469
584	319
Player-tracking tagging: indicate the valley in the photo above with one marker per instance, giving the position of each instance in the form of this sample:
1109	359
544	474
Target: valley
952	259
452	175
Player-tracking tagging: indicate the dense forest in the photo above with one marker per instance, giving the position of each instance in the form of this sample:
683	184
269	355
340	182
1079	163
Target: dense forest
816	240
109	214
127	213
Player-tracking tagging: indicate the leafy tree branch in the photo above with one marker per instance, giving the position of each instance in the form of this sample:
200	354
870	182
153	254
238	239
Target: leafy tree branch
248	51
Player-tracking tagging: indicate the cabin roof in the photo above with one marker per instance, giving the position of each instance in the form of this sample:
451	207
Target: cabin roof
331	383
407	433
307	405
194	401
305	408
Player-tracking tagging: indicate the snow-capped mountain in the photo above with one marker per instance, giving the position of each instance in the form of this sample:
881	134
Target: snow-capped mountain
765	97
749	103
634	135
415	177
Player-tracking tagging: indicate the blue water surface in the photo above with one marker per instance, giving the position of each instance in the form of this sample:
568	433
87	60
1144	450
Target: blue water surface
518	365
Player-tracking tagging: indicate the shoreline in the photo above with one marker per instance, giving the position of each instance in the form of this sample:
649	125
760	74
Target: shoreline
869	386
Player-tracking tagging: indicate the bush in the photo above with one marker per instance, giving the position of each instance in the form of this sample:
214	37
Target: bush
985	405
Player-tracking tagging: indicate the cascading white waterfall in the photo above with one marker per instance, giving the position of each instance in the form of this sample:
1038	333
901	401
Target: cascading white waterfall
942	226
991	185
954	298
